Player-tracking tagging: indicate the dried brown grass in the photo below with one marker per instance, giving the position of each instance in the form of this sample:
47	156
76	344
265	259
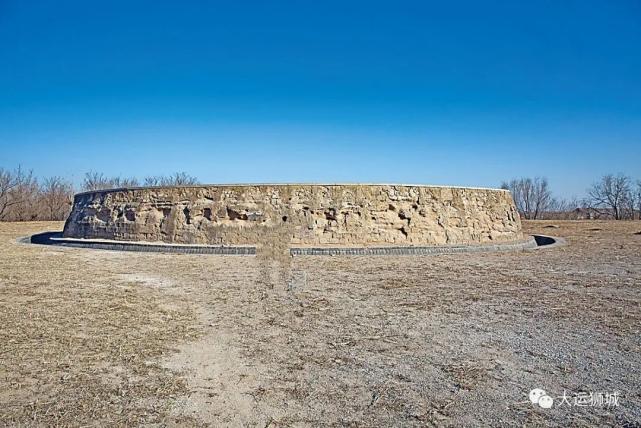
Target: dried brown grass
79	346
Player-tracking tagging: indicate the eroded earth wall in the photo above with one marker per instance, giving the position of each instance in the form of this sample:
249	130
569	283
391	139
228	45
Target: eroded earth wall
353	215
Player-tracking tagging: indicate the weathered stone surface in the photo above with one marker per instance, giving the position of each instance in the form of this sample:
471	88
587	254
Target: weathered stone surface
303	214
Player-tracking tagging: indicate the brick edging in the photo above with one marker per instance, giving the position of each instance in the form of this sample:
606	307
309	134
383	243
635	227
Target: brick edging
53	238
411	251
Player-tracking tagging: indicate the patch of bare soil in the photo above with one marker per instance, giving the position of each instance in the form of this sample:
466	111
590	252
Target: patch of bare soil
99	337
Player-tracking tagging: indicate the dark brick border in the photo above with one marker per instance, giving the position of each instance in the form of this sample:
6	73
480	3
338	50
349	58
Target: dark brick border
411	251
55	238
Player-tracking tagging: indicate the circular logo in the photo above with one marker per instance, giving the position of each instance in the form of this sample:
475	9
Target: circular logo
546	402
540	397
536	394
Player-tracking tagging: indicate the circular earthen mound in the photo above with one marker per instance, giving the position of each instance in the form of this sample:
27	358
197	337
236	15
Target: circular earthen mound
301	215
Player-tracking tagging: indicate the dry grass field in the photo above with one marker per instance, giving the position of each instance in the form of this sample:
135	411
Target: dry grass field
91	337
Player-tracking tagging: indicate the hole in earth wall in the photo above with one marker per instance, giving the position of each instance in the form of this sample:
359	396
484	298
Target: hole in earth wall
207	213
235	215
187	215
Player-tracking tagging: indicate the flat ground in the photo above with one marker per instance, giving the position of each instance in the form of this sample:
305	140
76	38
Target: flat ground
100	337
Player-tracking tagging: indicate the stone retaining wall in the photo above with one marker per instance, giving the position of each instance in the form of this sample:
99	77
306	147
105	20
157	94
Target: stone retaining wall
304	215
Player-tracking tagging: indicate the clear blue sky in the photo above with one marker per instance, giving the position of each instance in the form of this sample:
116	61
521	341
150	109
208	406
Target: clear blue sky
461	93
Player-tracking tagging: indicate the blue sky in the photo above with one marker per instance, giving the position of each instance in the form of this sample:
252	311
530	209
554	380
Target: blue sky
460	93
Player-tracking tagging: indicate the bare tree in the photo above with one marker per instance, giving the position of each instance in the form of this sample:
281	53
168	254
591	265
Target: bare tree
611	195
124	182
629	205
95	181
98	181
562	209
17	188
28	208
22	198
634	203
153	180
8	182
182	179
56	196
638	192
176	179
532	196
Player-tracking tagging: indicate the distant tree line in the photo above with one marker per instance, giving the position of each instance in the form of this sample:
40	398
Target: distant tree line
615	197
98	181
23	197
